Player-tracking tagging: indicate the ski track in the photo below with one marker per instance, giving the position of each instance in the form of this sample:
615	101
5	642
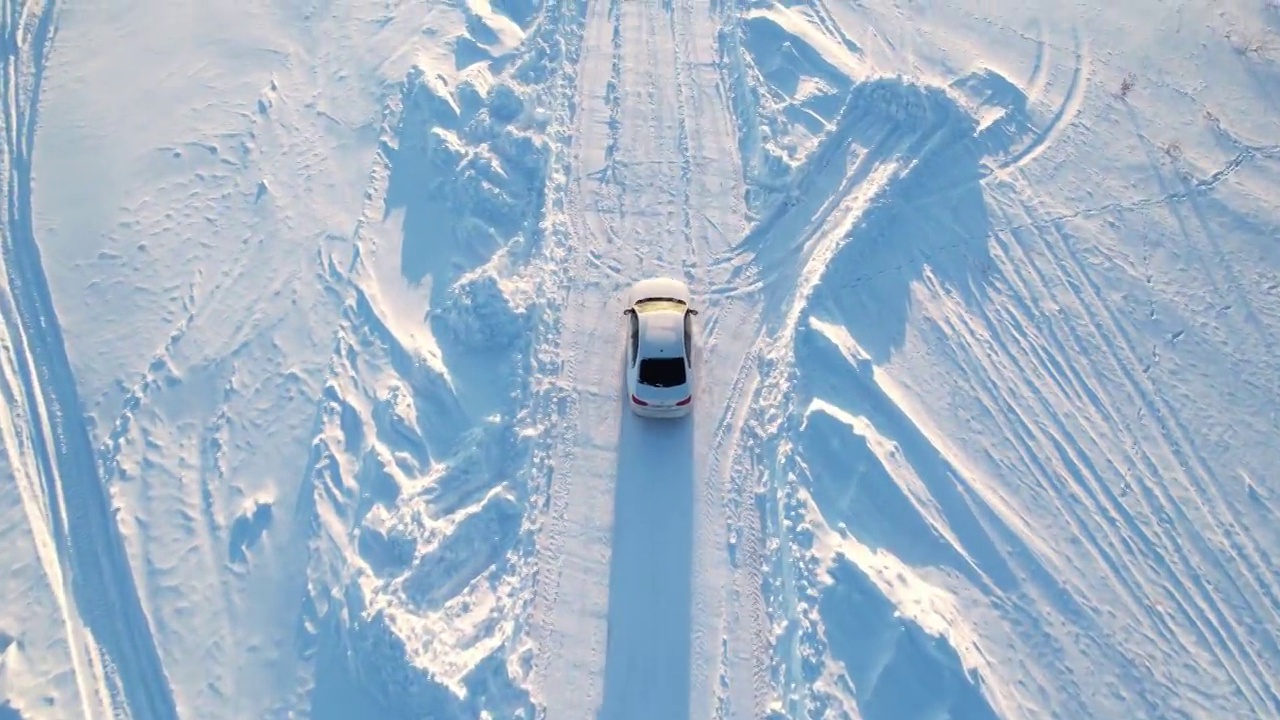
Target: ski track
1166	559
117	664
648	190
1186	580
865	163
1176	539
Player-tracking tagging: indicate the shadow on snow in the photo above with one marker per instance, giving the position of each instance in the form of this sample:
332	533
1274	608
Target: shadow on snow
900	670
88	541
931	219
650	573
928	222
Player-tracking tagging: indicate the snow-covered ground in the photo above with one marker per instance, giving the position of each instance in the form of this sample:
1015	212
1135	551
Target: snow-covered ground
311	360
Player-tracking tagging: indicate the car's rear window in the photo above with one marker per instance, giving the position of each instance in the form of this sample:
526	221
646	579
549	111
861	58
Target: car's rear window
659	305
662	372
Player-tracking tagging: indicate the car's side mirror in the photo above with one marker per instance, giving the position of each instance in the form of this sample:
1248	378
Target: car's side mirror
691	311
629	311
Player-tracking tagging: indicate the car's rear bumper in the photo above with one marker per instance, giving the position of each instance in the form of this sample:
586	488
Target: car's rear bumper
661	411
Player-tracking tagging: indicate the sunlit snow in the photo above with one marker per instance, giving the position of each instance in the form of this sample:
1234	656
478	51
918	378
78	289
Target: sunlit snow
312	360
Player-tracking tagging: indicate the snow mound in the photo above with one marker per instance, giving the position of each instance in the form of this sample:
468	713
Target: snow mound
439	606
886	194
787	86
484	312
982	388
418	470
312	404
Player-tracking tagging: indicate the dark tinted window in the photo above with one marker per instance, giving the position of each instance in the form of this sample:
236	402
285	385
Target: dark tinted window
635	337
688	338
662	372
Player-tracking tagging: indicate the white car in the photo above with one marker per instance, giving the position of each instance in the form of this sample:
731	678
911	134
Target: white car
659	354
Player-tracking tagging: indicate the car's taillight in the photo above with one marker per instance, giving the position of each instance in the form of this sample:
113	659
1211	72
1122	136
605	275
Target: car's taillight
638	401
685	401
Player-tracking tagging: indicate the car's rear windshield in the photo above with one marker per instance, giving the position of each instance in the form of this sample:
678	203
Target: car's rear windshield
662	372
659	304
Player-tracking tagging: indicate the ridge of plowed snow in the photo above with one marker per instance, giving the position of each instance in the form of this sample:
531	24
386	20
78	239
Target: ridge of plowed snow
950	358
238	502
417	465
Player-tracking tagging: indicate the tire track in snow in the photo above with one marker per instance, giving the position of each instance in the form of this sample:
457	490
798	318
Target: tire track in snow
742	530
748	441
1029	365
774	420
634	218
814	229
554	405
831	27
1061	119
92	560
714	216
745	549
611	179
1217	617
878	146
569	607
1034	372
1179	569
694	246
1110	549
1039	592
1048	451
1060	449
1261	573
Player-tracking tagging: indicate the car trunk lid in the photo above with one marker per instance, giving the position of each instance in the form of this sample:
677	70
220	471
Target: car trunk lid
662	396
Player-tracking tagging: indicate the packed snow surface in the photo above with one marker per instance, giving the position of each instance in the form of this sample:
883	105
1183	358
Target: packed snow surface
312	347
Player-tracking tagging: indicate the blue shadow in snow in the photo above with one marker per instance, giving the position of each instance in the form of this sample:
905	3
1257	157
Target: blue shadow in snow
933	217
901	672
247	529
84	525
851	484
7	712
459	206
339	691
430	181
651	572
464	187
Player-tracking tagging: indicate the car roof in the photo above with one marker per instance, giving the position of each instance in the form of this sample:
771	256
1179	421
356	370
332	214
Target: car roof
661	331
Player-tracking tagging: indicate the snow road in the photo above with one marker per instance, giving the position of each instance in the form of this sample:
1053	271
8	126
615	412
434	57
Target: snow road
115	659
651	188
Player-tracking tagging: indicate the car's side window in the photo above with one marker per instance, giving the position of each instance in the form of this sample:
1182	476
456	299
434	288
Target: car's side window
688	339
635	337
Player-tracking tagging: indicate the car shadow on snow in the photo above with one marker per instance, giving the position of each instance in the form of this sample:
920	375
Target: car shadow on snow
648	653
